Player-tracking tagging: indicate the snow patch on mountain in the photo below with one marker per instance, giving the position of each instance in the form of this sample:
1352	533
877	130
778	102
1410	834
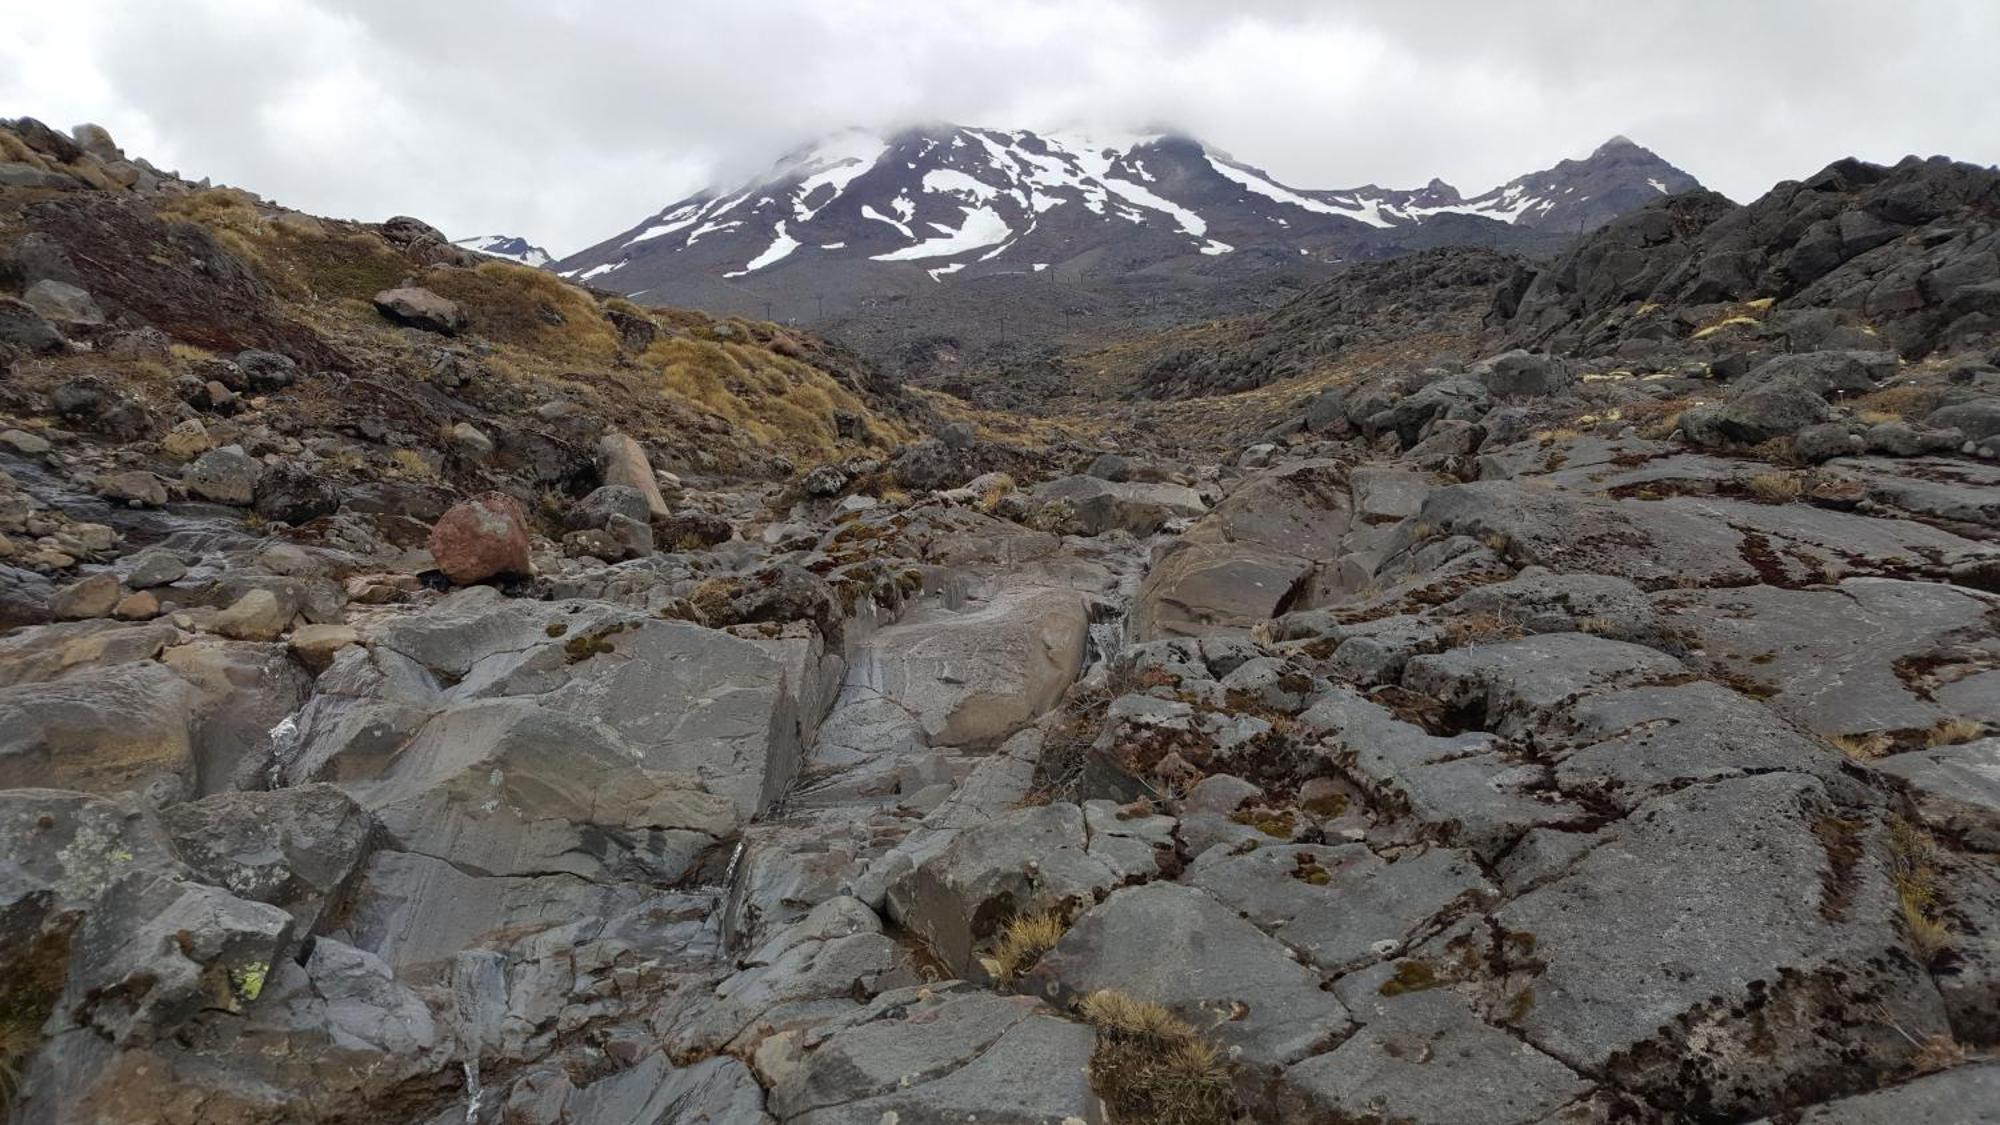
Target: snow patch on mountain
840	162
780	246
1269	190
982	227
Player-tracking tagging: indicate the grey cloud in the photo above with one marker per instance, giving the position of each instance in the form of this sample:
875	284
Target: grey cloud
567	121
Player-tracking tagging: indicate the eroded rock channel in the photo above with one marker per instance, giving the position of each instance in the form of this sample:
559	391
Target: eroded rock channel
1536	740
1351	769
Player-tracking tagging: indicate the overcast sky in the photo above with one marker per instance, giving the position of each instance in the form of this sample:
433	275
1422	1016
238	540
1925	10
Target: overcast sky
569	120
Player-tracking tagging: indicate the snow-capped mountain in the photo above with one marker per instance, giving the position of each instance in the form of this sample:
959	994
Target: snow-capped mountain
863	212
507	246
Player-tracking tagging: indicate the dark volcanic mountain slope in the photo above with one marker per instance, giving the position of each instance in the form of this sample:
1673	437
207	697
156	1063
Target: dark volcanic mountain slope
1425	294
1909	252
1581	195
863	215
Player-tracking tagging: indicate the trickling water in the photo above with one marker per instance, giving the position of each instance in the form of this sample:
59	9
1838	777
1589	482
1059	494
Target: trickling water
473	1089
284	744
729	873
1106	639
185	527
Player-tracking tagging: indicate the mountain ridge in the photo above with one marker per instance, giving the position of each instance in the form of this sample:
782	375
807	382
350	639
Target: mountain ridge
866	211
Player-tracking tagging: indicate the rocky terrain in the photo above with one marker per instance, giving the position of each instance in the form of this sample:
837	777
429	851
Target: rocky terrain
432	692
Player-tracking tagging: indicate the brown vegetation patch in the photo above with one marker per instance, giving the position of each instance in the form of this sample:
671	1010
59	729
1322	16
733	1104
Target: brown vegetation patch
1151	1067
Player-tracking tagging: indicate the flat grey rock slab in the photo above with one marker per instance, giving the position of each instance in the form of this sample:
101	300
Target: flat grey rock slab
1428	1060
1384	494
1178	946
1964	1095
717	1090
1525	684
1668	950
1635	743
943	1054
1957	789
1342	907
1849	659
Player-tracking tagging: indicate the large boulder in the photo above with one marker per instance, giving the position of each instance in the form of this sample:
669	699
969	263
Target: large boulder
24	328
1247	559
225	476
622	462
102	927
594	512
1100	504
246	690
481	538
1522	374
89	597
1826	374
115	729
1198	588
290	494
63	303
927	466
417	307
972	678
1766	411
292	848
508	787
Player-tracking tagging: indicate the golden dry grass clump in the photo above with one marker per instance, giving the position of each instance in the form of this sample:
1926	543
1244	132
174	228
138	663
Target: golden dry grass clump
1777	487
299	256
1951	732
1863	747
1894	404
1913	859
777	399
1023	941
530	309
1151	1067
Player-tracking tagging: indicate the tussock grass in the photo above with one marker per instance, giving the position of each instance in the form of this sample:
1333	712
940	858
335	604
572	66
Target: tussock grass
1862	747
779	400
530	309
1894	404
1151	1067
1919	889
300	260
230	215
1939	1052
1023	941
1726	322
1777	488
1951	732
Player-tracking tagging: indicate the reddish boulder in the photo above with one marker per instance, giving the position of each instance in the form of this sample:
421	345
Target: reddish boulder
484	537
